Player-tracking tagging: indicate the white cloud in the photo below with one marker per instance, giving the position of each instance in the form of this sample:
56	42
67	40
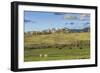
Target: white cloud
70	17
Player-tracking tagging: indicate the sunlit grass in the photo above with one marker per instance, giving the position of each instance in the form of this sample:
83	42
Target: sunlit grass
58	53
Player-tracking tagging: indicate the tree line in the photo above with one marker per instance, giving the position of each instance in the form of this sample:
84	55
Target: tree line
53	30
75	44
48	31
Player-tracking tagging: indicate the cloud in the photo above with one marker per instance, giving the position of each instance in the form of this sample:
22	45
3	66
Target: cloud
71	23
66	24
28	21
83	16
87	23
58	13
70	17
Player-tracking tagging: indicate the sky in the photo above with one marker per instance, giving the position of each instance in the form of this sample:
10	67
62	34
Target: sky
39	21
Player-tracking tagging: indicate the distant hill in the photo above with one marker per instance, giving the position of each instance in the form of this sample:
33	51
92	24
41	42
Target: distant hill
86	29
62	30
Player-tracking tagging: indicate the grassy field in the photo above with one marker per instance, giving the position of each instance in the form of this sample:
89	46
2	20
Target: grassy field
57	46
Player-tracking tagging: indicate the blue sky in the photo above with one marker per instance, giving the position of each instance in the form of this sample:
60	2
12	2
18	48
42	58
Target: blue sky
39	21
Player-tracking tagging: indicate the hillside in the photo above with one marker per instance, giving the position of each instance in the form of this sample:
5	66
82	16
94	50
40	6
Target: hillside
57	38
57	46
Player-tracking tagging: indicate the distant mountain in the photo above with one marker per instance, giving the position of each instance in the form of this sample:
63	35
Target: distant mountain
53	30
86	29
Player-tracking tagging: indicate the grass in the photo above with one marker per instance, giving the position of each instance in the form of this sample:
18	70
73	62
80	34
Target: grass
65	53
56	38
56	54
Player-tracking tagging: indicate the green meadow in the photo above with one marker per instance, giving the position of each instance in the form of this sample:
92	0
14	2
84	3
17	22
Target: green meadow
56	46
